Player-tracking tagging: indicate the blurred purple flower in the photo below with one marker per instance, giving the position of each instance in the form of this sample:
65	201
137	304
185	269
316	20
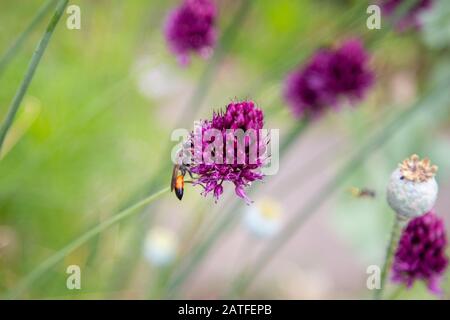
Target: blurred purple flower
238	115
411	18
306	89
190	29
330	75
421	252
348	72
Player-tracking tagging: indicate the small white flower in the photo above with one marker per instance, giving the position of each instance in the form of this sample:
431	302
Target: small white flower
156	80
161	246
412	189
263	218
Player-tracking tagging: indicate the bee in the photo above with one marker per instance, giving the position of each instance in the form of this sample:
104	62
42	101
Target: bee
362	193
177	182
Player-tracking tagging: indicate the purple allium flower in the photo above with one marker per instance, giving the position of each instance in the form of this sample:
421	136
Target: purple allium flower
411	18
348	72
421	252
330	76
190	29
238	115
306	89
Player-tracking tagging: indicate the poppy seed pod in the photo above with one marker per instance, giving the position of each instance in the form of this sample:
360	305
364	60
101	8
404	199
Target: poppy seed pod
412	189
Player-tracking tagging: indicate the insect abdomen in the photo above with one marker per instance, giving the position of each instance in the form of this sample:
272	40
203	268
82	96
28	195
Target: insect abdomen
179	187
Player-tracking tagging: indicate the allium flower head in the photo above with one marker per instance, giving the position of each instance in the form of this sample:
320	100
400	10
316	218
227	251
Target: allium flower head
306	89
420	253
348	73
412	189
238	163
190	29
412	18
330	76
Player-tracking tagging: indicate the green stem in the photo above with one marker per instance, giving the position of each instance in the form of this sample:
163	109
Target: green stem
391	23
395	233
223	46
394	295
12	50
298	129
35	59
293	55
193	105
59	255
229	218
342	175
202	88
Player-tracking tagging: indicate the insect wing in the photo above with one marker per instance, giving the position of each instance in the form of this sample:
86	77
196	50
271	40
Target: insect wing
174	177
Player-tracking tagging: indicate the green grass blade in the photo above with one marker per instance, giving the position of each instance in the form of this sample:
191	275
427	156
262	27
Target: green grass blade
59	255
229	218
342	175
193	105
35	59
17	44
395	236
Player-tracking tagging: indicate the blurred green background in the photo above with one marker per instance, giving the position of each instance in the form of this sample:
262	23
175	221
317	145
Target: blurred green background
95	125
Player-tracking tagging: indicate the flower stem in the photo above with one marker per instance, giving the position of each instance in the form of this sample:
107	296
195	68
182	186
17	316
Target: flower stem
394	295
35	59
78	242
229	218
395	233
192	106
12	50
345	172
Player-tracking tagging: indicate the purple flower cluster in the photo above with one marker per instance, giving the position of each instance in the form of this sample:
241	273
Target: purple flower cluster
330	75
421	252
238	115
411	18
190	28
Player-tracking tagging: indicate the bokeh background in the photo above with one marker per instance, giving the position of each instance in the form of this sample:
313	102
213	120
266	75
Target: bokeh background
94	128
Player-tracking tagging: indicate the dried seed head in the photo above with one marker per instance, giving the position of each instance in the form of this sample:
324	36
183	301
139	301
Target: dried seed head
412	190
416	170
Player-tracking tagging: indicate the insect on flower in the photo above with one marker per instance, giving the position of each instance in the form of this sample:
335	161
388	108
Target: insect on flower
230	147
177	181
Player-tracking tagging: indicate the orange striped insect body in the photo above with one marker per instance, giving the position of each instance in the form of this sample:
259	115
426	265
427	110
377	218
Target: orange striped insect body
177	182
